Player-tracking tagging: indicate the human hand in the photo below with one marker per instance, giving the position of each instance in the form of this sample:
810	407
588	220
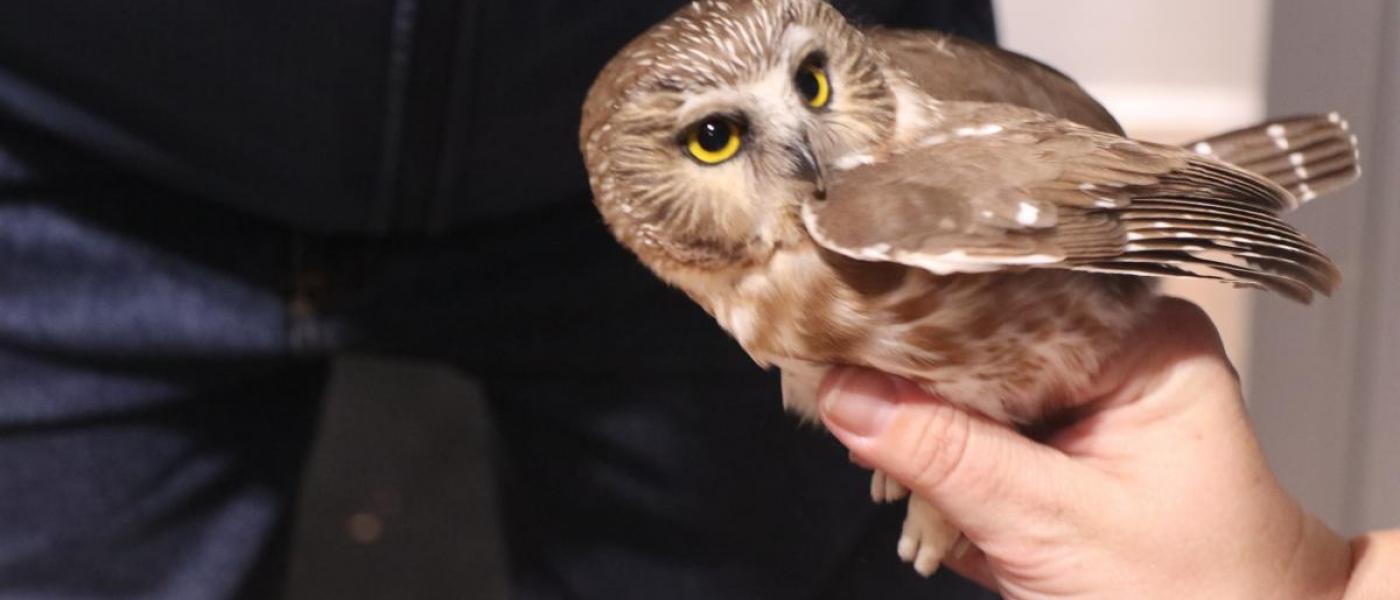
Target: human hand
1158	490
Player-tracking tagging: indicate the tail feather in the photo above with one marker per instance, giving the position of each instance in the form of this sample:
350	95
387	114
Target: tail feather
1307	155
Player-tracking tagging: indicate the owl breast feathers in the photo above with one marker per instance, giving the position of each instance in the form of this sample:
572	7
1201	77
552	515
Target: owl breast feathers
956	214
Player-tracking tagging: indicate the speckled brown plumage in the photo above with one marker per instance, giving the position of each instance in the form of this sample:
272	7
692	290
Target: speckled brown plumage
955	214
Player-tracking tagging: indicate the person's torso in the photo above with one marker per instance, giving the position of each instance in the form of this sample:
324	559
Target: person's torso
366	116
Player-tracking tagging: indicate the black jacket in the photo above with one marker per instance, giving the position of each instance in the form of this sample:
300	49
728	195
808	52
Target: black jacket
364	116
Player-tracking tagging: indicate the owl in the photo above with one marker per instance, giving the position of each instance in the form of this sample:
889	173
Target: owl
952	213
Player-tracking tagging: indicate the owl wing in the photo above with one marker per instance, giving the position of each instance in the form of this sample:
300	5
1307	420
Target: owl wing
951	68
1043	192
1310	155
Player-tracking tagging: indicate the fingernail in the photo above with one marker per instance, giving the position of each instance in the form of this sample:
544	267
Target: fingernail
861	402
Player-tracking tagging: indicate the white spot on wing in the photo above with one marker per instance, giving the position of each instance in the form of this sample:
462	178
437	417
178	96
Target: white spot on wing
851	161
1279	134
1203	148
1305	193
978	131
1027	214
935	139
959	261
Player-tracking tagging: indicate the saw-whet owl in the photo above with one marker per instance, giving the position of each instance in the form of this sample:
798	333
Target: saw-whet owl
920	204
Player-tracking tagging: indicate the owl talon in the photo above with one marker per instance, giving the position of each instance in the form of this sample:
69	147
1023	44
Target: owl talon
908	548
894	490
927	538
885	489
926	563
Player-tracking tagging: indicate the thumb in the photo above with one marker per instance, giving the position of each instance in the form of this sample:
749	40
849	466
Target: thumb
989	480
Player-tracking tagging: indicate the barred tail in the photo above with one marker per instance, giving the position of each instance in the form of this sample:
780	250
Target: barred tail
1307	155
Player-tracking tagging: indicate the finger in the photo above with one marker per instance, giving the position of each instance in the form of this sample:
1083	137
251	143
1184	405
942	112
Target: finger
987	479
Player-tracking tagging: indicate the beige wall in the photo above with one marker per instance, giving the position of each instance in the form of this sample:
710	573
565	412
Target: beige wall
1197	64
1170	70
1326	387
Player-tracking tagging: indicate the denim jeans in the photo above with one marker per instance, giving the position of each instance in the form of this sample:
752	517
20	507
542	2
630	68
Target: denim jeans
161	363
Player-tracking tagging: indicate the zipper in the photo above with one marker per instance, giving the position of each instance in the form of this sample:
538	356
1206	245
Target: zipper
419	84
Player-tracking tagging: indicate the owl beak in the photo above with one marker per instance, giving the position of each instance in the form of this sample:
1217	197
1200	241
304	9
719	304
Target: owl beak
808	168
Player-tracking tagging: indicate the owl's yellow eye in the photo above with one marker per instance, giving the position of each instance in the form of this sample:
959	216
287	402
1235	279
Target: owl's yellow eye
813	84
714	140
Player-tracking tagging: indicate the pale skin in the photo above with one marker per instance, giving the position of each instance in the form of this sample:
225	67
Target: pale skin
1159	490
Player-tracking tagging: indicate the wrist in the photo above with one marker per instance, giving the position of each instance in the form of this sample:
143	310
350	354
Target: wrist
1319	567
1329	562
1373	572
1288	558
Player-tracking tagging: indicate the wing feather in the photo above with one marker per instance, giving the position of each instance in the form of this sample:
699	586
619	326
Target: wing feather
1309	155
1043	192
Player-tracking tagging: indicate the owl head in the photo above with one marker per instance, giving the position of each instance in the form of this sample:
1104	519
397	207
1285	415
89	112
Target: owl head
703	136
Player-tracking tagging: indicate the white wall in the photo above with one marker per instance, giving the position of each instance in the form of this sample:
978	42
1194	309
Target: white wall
1162	66
1326	385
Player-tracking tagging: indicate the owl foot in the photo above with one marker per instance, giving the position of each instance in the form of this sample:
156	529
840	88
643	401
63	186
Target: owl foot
927	537
885	489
